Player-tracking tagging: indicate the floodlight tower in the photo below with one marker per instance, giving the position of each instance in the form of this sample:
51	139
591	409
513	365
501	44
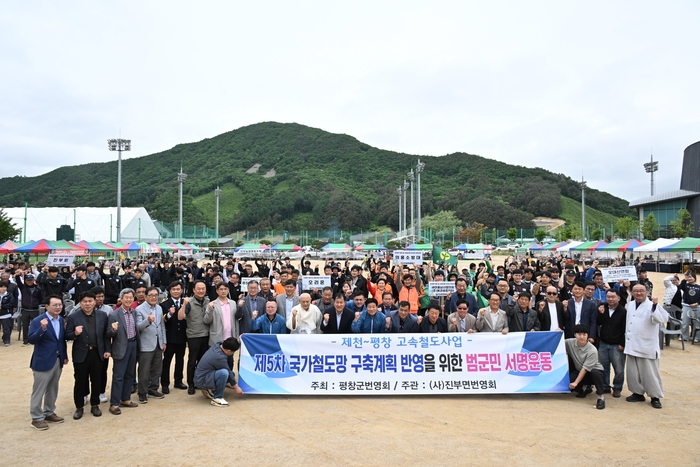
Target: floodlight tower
650	168
412	179
119	145
217	193
181	177
583	207
399	190
405	202
419	168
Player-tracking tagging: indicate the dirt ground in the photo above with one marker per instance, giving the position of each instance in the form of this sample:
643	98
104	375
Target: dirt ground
537	430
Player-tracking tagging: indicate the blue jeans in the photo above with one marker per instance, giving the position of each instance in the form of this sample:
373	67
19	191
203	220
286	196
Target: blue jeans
220	380
607	354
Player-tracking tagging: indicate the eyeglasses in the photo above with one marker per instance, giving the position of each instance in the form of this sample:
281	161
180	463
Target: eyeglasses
462	308
552	293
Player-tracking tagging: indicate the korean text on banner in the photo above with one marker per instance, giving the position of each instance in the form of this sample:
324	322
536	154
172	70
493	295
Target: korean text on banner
408	257
453	363
440	288
246	280
59	260
315	282
626	273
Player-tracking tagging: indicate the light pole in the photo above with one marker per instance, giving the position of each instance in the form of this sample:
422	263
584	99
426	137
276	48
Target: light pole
650	168
217	193
181	177
405	201
419	168
119	145
399	190
412	179
583	207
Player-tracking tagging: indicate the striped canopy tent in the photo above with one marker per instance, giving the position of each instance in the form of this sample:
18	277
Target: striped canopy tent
420	247
252	246
632	244
372	247
156	248
655	245
687	244
194	247
524	248
8	247
286	247
66	245
132	246
94	247
555	246
165	247
597	245
336	247
146	247
43	246
471	246
614	245
116	246
569	246
541	247
182	247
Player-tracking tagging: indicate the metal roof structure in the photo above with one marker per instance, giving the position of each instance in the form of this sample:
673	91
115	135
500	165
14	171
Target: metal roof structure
661	197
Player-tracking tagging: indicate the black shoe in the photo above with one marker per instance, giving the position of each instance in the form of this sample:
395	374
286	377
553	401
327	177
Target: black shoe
78	414
143	400
166	390
635	398
581	394
655	402
179	386
607	391
134	389
588	390
190	390
600	405
155	394
95	410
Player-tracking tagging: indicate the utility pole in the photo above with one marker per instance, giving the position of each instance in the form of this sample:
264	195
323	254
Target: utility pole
399	190
583	207
181	177
217	193
419	168
412	179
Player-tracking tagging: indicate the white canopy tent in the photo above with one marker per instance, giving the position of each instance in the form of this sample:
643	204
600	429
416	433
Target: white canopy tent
91	224
569	246
656	244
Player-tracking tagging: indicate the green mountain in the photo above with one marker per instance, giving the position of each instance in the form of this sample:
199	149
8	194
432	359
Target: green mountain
290	176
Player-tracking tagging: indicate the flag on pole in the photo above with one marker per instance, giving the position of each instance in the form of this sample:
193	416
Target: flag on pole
441	256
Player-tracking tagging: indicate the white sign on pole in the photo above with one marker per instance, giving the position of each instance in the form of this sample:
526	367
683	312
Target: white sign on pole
246	280
408	257
440	288
315	282
59	260
626	273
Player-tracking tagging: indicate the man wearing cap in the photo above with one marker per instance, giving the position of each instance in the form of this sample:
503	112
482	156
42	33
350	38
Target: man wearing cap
566	283
644	280
93	274
112	284
80	283
32	297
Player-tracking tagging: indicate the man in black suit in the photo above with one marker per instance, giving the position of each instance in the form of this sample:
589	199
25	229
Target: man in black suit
403	321
341	321
176	332
551	312
581	311
88	330
433	323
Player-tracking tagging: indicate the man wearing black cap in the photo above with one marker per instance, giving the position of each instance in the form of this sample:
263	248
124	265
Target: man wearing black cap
80	283
566	284
50	282
644	280
113	284
32	297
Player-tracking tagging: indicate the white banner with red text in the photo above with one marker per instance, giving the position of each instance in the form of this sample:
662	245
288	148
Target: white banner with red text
381	364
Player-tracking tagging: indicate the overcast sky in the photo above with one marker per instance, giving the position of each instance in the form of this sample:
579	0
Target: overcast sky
582	88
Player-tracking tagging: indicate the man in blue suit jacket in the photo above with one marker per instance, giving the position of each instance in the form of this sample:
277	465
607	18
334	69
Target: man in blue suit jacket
580	311
47	334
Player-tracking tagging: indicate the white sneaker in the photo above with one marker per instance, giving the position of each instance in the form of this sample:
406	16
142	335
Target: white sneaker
219	402
208	393
103	398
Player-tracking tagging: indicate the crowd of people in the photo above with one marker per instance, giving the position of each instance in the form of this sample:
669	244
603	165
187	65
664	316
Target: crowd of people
146	315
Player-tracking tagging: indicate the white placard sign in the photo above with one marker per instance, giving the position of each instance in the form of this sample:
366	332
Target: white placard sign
59	260
408	257
315	282
626	273
473	255
440	288
246	280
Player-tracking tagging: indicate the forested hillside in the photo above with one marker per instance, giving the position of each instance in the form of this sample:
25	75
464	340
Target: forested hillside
320	179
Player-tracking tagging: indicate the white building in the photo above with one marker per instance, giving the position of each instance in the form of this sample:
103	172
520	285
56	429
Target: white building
90	224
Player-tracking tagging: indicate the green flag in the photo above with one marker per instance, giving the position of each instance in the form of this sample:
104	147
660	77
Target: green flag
441	256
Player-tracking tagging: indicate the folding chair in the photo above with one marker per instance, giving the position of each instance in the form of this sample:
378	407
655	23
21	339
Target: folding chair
695	322
673	328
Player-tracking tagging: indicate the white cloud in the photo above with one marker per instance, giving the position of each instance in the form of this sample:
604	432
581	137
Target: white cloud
579	88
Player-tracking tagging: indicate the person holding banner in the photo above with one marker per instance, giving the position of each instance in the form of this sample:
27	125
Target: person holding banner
584	367
370	320
461	320
305	317
341	321
492	318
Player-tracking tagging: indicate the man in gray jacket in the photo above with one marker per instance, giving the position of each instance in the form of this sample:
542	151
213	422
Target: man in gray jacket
197	330
149	321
